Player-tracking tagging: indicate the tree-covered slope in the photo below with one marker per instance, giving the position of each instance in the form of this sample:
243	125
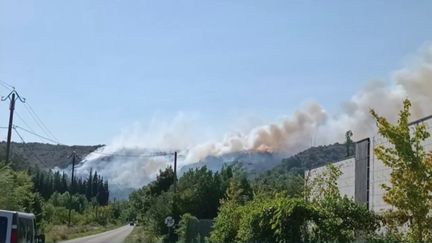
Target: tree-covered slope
43	155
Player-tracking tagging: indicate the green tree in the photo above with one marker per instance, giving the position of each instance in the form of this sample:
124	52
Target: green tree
163	181
340	219
15	190
278	219
188	229
410	188
348	142
199	193
226	223
154	217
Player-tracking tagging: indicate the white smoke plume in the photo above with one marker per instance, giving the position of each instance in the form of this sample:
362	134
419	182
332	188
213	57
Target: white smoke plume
134	157
309	124
312	122
289	135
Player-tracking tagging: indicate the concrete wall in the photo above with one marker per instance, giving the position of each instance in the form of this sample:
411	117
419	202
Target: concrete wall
345	181
363	175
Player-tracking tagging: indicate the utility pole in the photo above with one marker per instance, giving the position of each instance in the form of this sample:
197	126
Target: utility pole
13	96
71	186
175	172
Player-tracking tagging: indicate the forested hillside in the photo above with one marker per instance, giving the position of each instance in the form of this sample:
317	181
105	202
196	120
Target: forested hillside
287	175
315	157
43	155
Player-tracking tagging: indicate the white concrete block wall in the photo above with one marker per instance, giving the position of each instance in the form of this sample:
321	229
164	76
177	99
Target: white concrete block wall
345	181
379	173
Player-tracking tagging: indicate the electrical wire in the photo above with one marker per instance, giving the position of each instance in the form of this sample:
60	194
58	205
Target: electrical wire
37	135
133	155
24	122
156	154
6	85
31	150
40	123
43	124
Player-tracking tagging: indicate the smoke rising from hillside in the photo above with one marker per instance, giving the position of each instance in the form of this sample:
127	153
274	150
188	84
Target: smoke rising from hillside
290	135
310	124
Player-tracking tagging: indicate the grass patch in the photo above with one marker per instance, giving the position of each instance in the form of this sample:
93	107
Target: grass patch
57	233
140	234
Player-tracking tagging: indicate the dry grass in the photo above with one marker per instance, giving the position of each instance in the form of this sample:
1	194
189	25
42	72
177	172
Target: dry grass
141	235
63	232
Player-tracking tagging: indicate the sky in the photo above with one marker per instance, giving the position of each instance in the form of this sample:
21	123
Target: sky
90	69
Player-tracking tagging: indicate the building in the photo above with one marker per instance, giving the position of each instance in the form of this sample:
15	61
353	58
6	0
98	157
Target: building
363	174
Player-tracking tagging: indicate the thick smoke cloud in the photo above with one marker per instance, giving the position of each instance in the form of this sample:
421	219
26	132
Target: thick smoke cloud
309	124
134	157
413	82
289	135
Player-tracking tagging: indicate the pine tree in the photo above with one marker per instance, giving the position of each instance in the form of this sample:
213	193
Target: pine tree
89	192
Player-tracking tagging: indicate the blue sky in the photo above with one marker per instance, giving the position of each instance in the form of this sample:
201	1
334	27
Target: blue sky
91	68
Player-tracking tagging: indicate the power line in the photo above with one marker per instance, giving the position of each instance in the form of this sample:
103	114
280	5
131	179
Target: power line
133	155
6	85
37	135
31	150
43	124
24	122
157	154
39	122
32	113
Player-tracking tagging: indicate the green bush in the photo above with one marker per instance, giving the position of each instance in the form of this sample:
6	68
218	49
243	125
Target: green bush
226	223
187	230
274	220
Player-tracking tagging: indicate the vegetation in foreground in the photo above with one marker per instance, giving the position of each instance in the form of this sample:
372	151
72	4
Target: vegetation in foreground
50	196
289	207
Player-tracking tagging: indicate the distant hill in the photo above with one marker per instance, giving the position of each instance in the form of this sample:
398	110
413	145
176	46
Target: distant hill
283	176
43	155
251	162
256	163
314	157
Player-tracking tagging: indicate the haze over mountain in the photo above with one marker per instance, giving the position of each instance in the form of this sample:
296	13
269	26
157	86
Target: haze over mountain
133	158
127	161
48	156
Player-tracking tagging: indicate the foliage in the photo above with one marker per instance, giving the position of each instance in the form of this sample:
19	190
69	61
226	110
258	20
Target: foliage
15	190
323	215
163	181
288	175
43	155
188	229
47	183
274	220
278	219
226	223
154	217
142	234
199	193
411	177
339	219
291	183
348	142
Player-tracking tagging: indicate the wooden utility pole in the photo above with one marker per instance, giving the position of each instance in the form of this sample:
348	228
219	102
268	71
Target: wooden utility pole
175	172
9	136
71	186
13	96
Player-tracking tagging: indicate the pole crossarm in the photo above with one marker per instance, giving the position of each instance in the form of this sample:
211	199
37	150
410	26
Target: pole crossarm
17	96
